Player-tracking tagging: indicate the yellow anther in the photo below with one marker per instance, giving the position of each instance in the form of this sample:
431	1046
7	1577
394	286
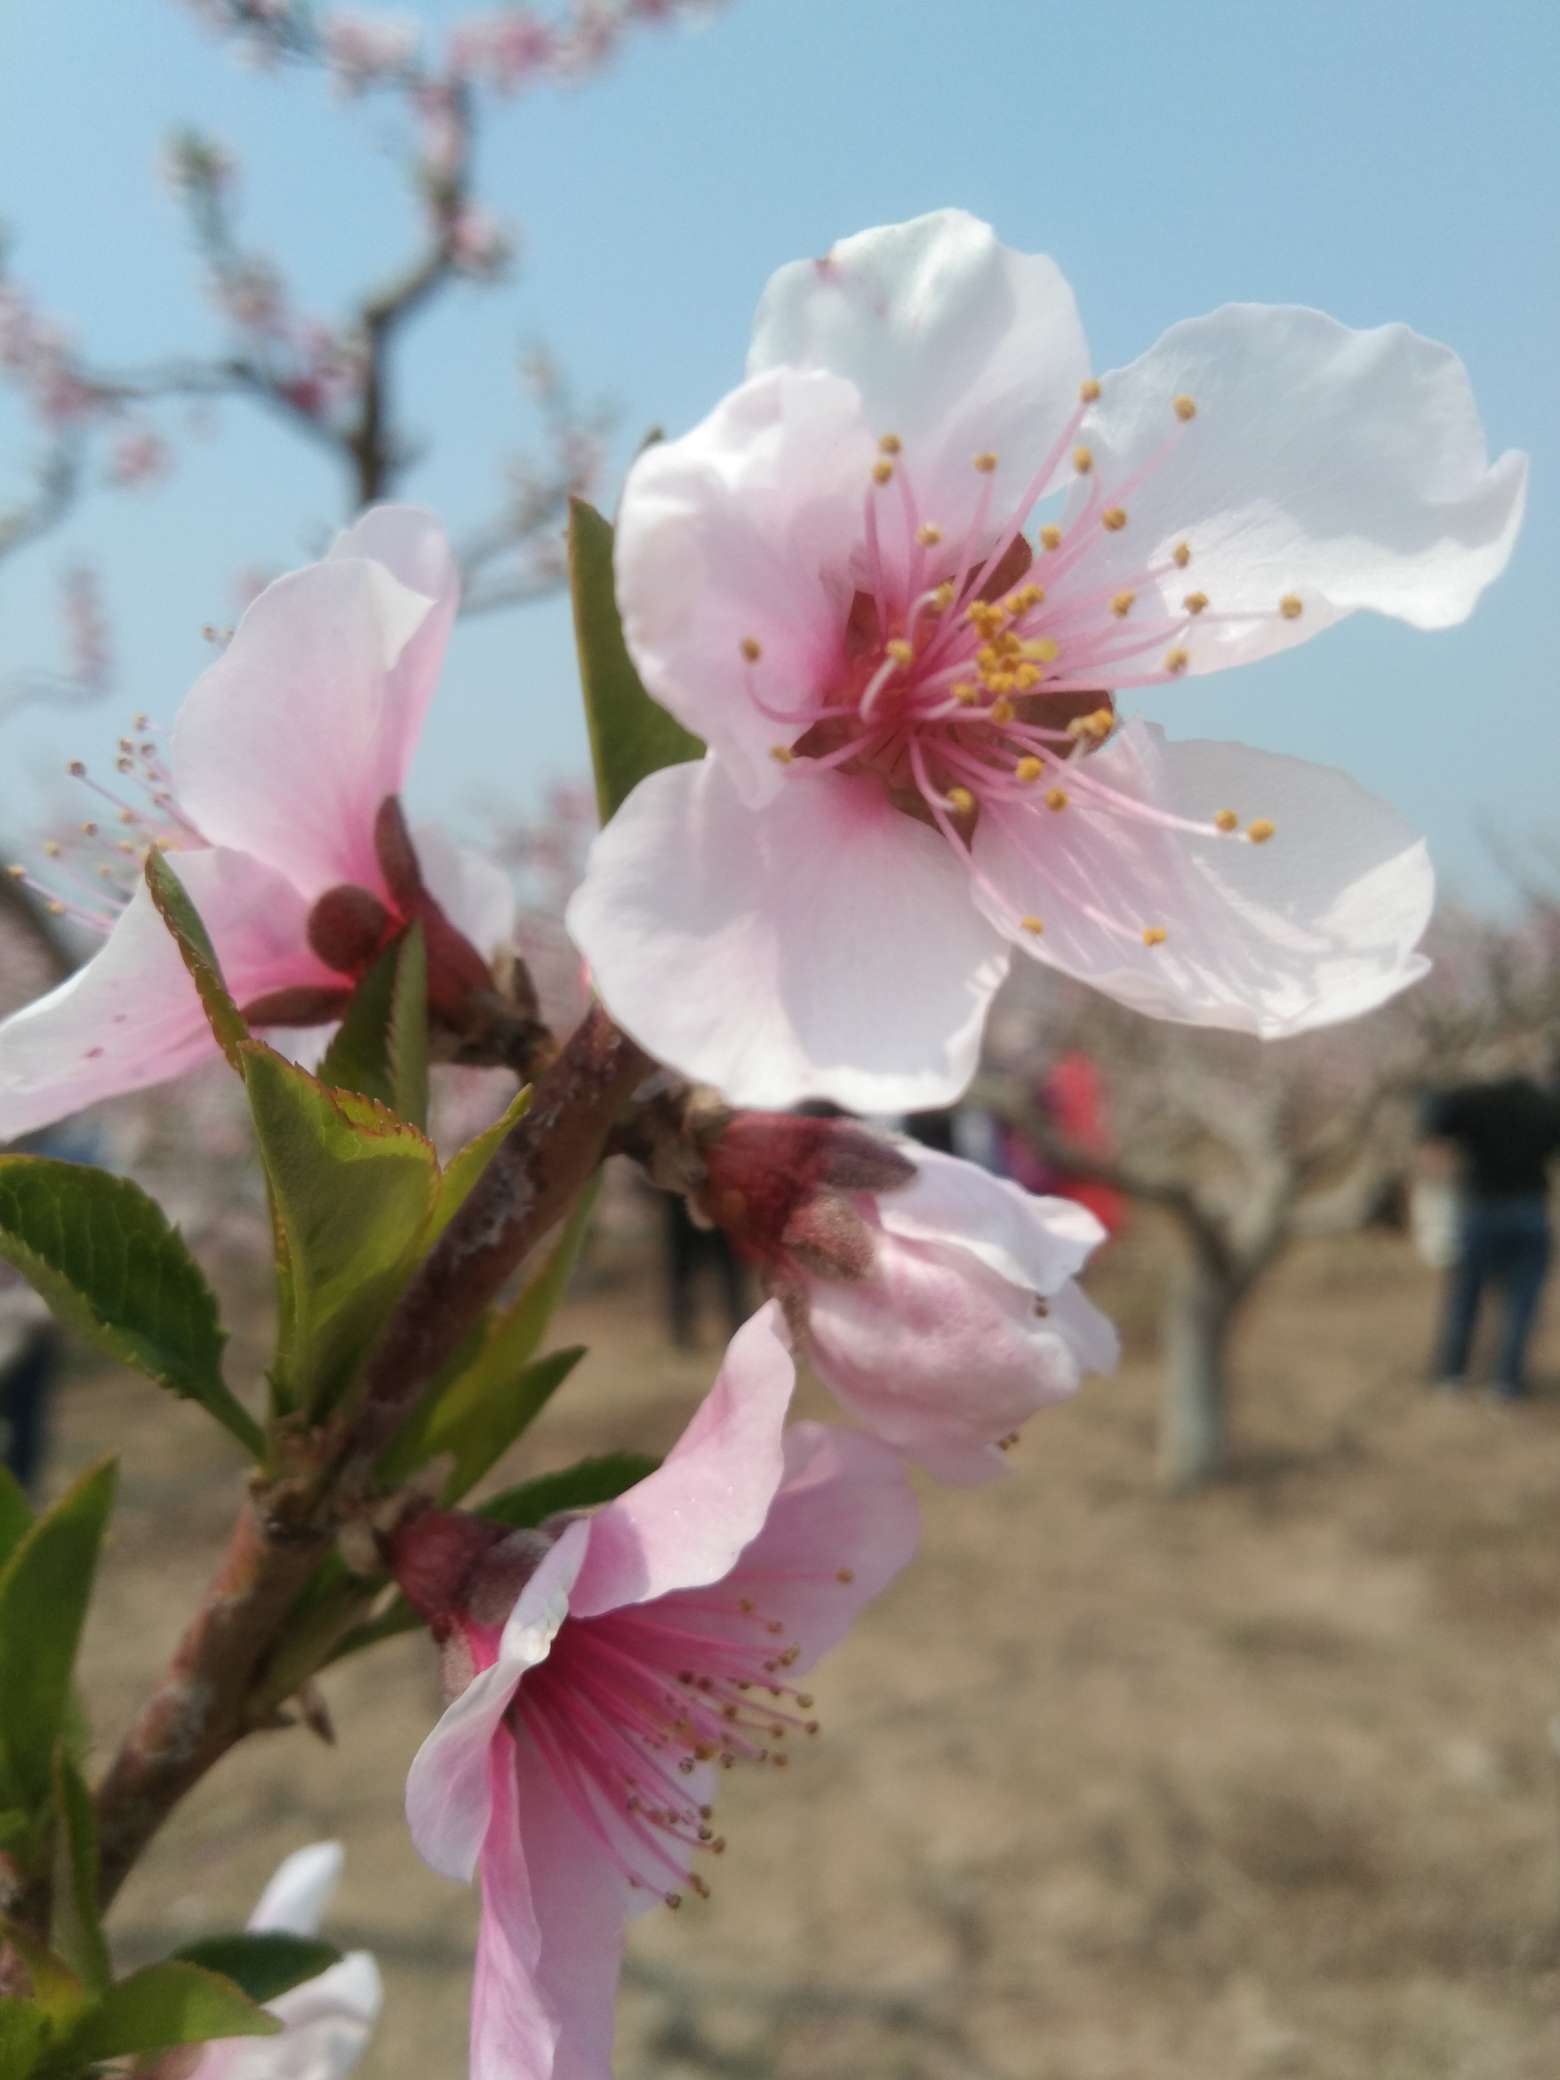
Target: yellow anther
890	444
1088	391
1194	602
1260	831
1031	925
985	462
960	801
1083	460
752	649
1291	606
1181	555
942	599
1024	600
1028	770
76	769
1154	935
782	754
1177	660
1001	682
1056	798
1121	605
882	472
1001	711
52	847
928	534
898	650
17	873
1027	678
1226	820
1185	407
89	829
1113	519
1098	725
55	908
965	693
1043	649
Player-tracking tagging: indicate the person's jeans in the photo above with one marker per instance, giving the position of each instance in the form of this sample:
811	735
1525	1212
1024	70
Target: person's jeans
25	1386
1504	1243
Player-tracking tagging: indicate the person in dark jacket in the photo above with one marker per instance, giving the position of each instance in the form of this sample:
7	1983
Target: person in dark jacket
1501	1137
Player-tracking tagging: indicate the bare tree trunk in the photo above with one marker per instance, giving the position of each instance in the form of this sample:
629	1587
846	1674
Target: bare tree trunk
1194	1404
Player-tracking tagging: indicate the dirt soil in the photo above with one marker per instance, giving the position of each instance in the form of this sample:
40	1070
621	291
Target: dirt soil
1258	1786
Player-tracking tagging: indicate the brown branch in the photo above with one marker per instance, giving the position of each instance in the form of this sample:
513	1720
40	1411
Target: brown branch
206	1701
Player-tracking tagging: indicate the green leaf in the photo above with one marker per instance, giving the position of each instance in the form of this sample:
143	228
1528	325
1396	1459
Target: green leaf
102	1254
352	1191
179	914
24	2030
15	1513
56	1991
381	1047
166	2004
44	1588
262	1963
630	734
582	1486
78	1926
467	1164
478	1413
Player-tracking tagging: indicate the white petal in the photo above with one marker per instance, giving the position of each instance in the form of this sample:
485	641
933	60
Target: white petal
1345	468
744	529
300	1890
823	947
1033	1242
956	344
1319	924
473	891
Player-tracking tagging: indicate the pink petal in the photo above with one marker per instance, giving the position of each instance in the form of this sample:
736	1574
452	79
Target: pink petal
823	947
955	343
412	547
937	1355
740	530
551	1946
1347	468
286	747
1034	1242
1318	925
686	1523
130	1018
449	1787
844	1509
326	2025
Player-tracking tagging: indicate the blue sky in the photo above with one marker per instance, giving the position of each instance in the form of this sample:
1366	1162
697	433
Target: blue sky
1397	160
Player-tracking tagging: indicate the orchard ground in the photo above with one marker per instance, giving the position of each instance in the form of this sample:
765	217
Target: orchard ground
1257	1786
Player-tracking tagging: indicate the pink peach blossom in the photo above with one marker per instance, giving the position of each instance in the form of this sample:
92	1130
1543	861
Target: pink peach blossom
647	1646
278	801
938	1304
894	582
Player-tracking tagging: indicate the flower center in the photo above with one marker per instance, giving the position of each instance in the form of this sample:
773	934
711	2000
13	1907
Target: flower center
972	669
631	1705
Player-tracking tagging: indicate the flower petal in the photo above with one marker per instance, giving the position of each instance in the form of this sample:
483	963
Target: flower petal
1316	926
300	1890
473	891
286	746
842	1526
551	1947
685	1524
742	531
956	344
449	1787
1033	1242
412	547
823	947
1347	469
326	2025
130	1017
937	1355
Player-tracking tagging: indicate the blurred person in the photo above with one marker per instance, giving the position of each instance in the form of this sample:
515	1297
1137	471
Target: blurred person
1497	1137
32	1347
1069	1095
